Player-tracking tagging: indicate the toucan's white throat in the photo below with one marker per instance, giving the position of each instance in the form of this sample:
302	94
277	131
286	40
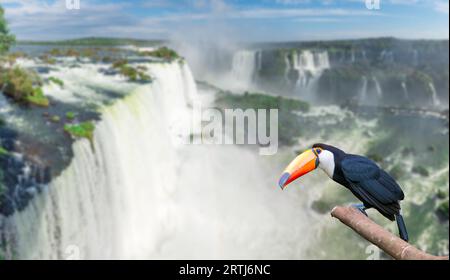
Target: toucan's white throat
326	162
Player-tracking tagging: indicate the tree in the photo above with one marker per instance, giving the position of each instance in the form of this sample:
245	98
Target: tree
6	39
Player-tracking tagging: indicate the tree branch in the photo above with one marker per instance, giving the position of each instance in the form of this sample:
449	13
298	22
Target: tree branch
386	241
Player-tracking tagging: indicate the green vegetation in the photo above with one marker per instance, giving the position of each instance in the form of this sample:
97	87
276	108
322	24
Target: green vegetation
70	115
23	87
397	171
3	152
442	208
262	101
37	98
421	170
341	81
93	41
275	65
11	58
56	81
133	74
81	130
441	194
64	52
375	157
92	53
321	206
47	59
330	198
287	108
163	52
6	39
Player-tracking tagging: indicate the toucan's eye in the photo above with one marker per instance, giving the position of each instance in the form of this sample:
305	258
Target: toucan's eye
318	151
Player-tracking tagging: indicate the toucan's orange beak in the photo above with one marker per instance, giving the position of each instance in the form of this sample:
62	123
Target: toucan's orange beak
304	163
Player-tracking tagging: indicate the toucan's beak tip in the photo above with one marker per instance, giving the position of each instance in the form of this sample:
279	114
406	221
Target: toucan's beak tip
284	178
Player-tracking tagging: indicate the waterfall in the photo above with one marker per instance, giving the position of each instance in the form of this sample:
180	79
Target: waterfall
405	91
353	57
363	91
378	89
244	67
258	61
434	96
309	66
137	193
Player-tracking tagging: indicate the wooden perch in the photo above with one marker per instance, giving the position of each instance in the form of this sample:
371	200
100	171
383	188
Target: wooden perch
386	241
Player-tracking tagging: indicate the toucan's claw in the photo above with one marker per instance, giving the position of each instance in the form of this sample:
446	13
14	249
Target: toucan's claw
361	208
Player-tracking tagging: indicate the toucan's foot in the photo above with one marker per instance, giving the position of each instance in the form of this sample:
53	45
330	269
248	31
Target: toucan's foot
361	208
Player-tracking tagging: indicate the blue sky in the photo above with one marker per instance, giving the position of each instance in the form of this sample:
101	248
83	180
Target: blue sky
245	20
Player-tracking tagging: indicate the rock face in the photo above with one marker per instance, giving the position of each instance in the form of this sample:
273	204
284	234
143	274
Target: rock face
378	71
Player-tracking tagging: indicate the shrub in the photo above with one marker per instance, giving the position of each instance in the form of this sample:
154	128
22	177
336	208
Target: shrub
47	59
163	52
442	208
56	81
20	86
37	98
70	115
6	39
133	74
81	130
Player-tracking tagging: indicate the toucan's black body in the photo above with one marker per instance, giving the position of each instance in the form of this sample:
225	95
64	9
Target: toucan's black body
369	183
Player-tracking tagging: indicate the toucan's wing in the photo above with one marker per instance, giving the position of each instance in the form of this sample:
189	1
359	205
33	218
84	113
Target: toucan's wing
373	183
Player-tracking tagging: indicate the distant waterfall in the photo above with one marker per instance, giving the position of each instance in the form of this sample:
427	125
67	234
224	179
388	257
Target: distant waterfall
137	193
244	68
363	91
378	89
405	91
309	66
435	99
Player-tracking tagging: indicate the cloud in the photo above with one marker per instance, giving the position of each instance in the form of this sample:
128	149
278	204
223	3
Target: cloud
37	19
45	19
441	7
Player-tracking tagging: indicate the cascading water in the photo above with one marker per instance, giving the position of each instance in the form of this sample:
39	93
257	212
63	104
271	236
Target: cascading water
244	67
378	89
405	91
135	191
435	98
309	66
363	91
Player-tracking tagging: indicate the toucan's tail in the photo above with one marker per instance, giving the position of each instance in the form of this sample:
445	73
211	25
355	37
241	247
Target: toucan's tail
401	227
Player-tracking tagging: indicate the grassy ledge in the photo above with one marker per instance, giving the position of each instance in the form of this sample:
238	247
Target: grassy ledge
134	74
23	87
56	81
163	53
81	130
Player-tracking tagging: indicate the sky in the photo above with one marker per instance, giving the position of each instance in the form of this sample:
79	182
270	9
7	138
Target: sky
245	20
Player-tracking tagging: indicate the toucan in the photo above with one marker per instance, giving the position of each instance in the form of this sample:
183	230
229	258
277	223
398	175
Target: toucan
363	177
